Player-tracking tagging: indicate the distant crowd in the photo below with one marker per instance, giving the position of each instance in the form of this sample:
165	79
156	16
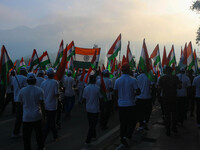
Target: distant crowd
39	101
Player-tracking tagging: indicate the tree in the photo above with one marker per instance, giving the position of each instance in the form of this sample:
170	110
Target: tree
196	7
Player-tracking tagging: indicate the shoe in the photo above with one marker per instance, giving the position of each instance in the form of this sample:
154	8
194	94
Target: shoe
125	142
88	144
174	129
168	132
15	136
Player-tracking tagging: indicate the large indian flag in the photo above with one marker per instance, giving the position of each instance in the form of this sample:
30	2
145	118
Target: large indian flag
83	57
145	62
116	47
5	65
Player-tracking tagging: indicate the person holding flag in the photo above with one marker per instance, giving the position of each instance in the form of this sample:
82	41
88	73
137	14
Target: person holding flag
69	100
18	82
106	105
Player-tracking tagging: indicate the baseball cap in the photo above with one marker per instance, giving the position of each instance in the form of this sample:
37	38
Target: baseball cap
31	76
50	71
106	71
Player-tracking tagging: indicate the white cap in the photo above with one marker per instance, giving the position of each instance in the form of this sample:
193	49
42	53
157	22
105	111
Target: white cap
31	76
50	71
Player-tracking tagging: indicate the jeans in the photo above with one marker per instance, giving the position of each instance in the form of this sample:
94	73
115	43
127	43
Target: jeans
92	120
18	121
69	103
27	132
50	124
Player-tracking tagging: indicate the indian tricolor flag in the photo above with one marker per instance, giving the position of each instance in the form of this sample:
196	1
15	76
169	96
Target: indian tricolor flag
34	60
190	57
164	59
83	57
92	66
44	60
21	64
70	50
129	57
5	65
195	62
145	62
172	58
116	47
156	55
59	55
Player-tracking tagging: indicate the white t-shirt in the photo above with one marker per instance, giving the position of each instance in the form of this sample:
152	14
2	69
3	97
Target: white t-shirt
145	86
30	96
108	84
68	83
50	87
81	84
92	95
185	83
196	83
126	86
39	80
18	84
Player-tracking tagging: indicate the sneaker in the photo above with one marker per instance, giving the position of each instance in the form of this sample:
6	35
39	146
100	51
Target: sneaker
125	141
15	136
88	144
168	132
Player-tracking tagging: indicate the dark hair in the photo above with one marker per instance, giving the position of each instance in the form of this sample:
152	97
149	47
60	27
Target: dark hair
31	82
92	79
168	70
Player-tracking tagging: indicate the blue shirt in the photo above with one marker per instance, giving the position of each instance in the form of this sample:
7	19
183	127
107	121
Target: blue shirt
145	86
196	83
126	86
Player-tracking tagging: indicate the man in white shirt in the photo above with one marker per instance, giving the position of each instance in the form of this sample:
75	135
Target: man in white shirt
196	83
69	99
18	82
81	86
126	88
40	77
91	96
182	96
144	100
106	106
32	99
51	94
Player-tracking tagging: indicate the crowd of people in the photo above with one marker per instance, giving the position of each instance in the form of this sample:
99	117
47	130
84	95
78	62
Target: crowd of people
38	101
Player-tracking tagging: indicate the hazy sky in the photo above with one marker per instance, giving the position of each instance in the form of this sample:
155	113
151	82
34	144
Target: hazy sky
42	24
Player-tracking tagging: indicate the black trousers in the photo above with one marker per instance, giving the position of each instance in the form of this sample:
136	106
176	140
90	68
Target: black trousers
170	109
181	108
144	110
198	110
18	121
92	120
106	108
128	120
50	124
9	98
27	132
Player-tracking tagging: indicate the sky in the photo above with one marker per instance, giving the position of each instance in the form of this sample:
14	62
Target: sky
26	25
